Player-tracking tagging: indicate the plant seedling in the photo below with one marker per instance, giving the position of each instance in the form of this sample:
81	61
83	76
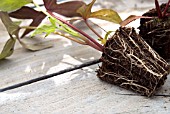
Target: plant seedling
156	31
127	60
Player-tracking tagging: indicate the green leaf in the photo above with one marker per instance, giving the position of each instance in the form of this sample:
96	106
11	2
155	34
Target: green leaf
11	27
11	5
108	15
107	34
104	14
63	27
36	47
48	29
52	21
8	48
18	22
85	10
103	41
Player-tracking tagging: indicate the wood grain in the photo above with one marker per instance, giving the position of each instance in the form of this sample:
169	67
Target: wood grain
24	65
80	91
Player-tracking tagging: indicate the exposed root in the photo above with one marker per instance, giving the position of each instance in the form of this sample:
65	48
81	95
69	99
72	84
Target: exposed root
156	32
128	61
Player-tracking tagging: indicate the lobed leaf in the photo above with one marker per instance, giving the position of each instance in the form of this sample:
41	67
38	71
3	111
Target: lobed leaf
11	5
53	21
17	22
132	18
23	14
50	4
13	30
107	34
48	29
85	10
8	48
104	14
104	40
37	46
11	27
66	9
108	15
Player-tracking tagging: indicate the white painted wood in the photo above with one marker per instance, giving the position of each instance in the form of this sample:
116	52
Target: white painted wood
80	91
24	65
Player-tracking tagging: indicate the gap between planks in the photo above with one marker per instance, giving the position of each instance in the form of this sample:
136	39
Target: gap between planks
93	62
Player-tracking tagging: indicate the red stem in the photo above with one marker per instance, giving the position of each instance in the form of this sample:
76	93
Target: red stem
98	46
158	9
167	14
86	21
166	8
94	46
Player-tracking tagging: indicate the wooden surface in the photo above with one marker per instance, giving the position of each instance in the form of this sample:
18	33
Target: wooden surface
25	65
80	91
62	79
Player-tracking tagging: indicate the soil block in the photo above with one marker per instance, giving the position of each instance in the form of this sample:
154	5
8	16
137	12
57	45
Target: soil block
129	62
156	32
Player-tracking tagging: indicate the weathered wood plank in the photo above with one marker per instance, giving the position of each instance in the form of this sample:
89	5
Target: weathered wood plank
25	65
80	91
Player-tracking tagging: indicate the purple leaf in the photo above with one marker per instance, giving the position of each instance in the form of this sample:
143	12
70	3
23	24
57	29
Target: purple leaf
50	4
132	18
34	23
28	13
68	9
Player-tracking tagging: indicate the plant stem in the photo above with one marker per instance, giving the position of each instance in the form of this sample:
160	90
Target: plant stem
91	42
167	14
28	27
100	27
158	9
94	46
166	8
100	47
70	38
86	21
